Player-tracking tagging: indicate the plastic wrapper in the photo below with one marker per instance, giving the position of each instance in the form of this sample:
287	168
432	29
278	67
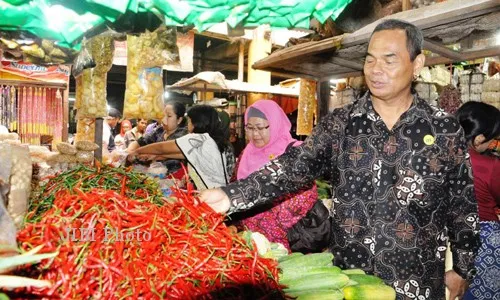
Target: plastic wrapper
93	95
91	92
65	158
492	98
144	93
491	85
9	136
154	49
82	61
86	146
85	156
307	107
66	148
85	130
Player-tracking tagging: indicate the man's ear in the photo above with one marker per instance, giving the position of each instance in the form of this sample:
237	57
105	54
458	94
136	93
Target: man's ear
479	139
418	64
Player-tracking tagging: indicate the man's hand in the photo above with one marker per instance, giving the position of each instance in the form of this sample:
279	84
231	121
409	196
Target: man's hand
455	284
216	199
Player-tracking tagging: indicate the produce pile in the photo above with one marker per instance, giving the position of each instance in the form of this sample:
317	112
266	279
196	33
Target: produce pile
113	246
313	276
130	184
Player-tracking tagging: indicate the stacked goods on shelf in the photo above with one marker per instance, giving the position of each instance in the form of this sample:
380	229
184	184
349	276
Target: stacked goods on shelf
146	54
85	130
471	86
341	96
135	244
90	98
491	92
313	276
427	91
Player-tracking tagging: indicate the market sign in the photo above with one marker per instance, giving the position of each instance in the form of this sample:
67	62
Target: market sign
55	73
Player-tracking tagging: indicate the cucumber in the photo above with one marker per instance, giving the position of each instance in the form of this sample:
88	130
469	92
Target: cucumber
292	274
318	295
324	281
369	292
365	279
291	255
309	260
353	271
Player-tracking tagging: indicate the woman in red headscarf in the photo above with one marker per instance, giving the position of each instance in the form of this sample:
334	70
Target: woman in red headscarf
268	131
125	126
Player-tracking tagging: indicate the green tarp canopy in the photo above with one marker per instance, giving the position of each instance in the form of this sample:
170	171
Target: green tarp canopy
67	21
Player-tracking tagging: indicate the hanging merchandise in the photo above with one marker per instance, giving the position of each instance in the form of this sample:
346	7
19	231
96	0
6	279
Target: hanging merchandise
8	107
307	107
144	85
91	92
85	130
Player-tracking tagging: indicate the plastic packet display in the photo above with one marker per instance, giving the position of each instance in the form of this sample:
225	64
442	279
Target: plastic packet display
85	130
143	94
156	48
66	148
91	92
85	156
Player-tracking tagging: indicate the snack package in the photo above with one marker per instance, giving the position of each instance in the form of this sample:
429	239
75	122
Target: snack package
86	146
146	54
91	92
85	130
85	156
66	148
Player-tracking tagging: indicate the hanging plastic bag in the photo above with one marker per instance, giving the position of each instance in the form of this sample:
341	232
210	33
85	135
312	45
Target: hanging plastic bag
85	130
156	48
82	61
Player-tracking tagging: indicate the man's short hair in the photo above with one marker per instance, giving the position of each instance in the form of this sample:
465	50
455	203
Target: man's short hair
414	36
114	113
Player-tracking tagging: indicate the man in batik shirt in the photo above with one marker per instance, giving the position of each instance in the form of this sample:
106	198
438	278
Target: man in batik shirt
400	174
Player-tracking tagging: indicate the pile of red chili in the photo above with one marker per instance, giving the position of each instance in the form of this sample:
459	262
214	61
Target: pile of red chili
111	246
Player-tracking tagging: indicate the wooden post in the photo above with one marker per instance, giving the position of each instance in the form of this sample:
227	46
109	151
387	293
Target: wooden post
65	99
406	5
98	138
323	98
241	61
260	47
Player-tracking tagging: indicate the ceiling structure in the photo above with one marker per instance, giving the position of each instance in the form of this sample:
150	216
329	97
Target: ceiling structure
454	31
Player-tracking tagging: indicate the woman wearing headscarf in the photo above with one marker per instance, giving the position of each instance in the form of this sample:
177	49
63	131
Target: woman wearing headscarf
125	126
481	124
268	131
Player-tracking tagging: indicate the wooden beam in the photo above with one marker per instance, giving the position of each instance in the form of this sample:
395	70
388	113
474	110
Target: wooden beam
429	16
441	50
465	55
299	52
221	66
224	51
213	35
347	63
406	5
323	98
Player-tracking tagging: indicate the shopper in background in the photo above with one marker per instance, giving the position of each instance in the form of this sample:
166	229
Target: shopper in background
109	130
125	126
206	149
399	171
135	133
172	127
481	123
268	131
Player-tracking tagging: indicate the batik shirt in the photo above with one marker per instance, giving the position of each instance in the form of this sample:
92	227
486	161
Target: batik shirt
399	194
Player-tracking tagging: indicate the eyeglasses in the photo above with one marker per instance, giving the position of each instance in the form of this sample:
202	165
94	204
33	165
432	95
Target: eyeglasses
255	129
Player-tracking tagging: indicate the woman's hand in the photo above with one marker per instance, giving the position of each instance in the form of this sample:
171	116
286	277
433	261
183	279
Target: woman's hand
216	199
